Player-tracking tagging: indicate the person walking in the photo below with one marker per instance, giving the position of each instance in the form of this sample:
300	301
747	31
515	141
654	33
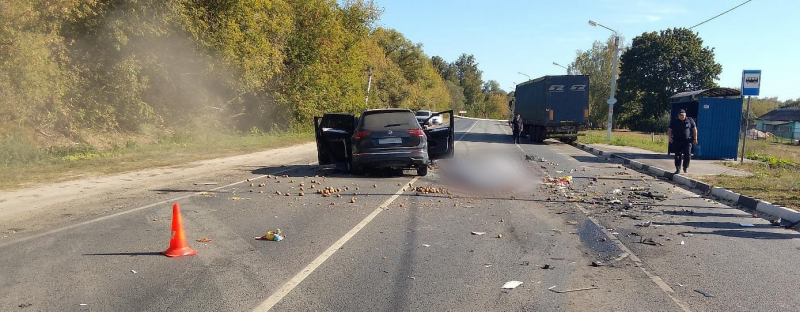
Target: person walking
516	128
682	134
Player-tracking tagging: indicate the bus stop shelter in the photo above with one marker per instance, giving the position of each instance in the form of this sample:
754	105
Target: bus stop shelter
718	114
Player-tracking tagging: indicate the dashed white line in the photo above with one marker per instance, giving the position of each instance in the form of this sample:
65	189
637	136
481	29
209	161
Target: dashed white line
305	272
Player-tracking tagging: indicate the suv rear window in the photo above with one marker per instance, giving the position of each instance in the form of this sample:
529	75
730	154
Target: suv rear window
424	113
383	121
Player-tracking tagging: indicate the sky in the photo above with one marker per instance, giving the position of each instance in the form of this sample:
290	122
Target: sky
526	36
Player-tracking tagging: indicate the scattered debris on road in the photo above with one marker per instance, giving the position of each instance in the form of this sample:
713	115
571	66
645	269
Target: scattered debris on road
571	290
649	241
236	198
547	267
511	285
204	240
704	293
475	233
747	224
275	236
133	271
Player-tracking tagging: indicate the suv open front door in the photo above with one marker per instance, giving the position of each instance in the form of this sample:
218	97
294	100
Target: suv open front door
441	141
334	133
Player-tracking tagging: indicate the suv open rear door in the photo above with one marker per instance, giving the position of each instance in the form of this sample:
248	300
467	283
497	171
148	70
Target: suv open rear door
441	141
333	133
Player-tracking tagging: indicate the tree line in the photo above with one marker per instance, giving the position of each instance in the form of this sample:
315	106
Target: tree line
71	65
655	66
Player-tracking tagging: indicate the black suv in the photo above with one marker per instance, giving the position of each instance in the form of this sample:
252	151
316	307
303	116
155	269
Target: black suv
382	138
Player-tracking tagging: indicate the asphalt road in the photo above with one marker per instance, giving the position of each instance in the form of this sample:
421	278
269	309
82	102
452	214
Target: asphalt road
384	247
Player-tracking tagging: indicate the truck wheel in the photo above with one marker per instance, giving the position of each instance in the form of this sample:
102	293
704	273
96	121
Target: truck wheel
540	135
422	171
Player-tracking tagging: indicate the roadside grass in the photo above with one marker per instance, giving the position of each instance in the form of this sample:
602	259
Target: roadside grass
775	166
23	164
656	143
779	185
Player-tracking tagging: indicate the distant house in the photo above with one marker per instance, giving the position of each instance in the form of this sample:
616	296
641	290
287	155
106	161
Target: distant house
782	122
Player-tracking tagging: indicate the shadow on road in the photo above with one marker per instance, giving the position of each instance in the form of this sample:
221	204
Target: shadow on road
131	254
749	234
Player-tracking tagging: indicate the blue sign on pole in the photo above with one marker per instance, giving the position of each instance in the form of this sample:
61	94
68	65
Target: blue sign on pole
751	82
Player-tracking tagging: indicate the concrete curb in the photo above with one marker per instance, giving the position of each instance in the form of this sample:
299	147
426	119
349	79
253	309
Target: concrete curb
472	118
718	192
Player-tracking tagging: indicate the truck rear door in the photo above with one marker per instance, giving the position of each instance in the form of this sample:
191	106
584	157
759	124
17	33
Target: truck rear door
568	101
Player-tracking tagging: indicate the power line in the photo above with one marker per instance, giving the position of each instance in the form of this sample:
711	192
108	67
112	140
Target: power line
743	3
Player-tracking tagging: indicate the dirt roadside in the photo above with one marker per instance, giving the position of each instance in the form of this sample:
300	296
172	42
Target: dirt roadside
48	205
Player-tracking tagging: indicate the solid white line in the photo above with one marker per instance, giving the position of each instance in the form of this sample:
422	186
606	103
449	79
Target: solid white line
163	202
468	130
305	272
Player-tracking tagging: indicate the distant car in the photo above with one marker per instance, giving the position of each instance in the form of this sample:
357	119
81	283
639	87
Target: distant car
381	138
428	118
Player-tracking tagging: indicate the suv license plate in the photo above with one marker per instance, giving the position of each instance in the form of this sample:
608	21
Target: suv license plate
390	141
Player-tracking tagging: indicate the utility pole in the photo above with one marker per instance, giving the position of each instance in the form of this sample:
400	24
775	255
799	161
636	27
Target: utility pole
611	100
369	84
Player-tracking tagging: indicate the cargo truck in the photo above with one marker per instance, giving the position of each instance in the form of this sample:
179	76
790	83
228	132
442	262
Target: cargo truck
553	107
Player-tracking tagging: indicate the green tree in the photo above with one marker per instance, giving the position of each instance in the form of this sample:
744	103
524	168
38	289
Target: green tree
469	78
761	106
596	62
791	103
656	66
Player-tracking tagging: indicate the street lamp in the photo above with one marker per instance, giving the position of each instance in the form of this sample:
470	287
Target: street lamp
562	66
524	74
611	100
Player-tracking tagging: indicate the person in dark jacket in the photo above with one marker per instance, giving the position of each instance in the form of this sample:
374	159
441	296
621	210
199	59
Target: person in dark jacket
516	128
682	135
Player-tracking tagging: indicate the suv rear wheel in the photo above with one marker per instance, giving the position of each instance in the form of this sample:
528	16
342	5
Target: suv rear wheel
422	171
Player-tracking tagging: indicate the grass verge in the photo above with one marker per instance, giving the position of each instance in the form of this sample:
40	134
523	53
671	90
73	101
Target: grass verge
776	166
22	164
656	143
779	185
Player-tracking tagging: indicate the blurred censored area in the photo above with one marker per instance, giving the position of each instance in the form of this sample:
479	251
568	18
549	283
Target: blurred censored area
488	174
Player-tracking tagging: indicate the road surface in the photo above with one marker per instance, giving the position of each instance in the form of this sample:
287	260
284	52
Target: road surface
384	247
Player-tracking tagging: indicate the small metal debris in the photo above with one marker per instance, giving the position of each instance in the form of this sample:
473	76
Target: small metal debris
704	293
571	290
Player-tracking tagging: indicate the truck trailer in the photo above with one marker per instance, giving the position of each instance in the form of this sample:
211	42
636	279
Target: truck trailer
553	107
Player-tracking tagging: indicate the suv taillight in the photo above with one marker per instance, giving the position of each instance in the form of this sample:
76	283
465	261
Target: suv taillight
361	134
416	132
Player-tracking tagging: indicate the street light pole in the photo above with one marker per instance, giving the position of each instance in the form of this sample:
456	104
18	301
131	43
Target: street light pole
524	74
562	66
611	99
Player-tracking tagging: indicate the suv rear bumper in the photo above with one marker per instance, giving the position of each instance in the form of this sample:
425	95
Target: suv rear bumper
394	159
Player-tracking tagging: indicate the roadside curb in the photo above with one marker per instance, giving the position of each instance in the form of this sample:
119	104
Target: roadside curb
472	118
718	192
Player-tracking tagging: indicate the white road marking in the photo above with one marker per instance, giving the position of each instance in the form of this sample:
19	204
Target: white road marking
163	202
468	130
655	278
305	272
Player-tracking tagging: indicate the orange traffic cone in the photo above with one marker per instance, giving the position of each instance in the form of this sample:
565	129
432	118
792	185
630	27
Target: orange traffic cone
177	244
